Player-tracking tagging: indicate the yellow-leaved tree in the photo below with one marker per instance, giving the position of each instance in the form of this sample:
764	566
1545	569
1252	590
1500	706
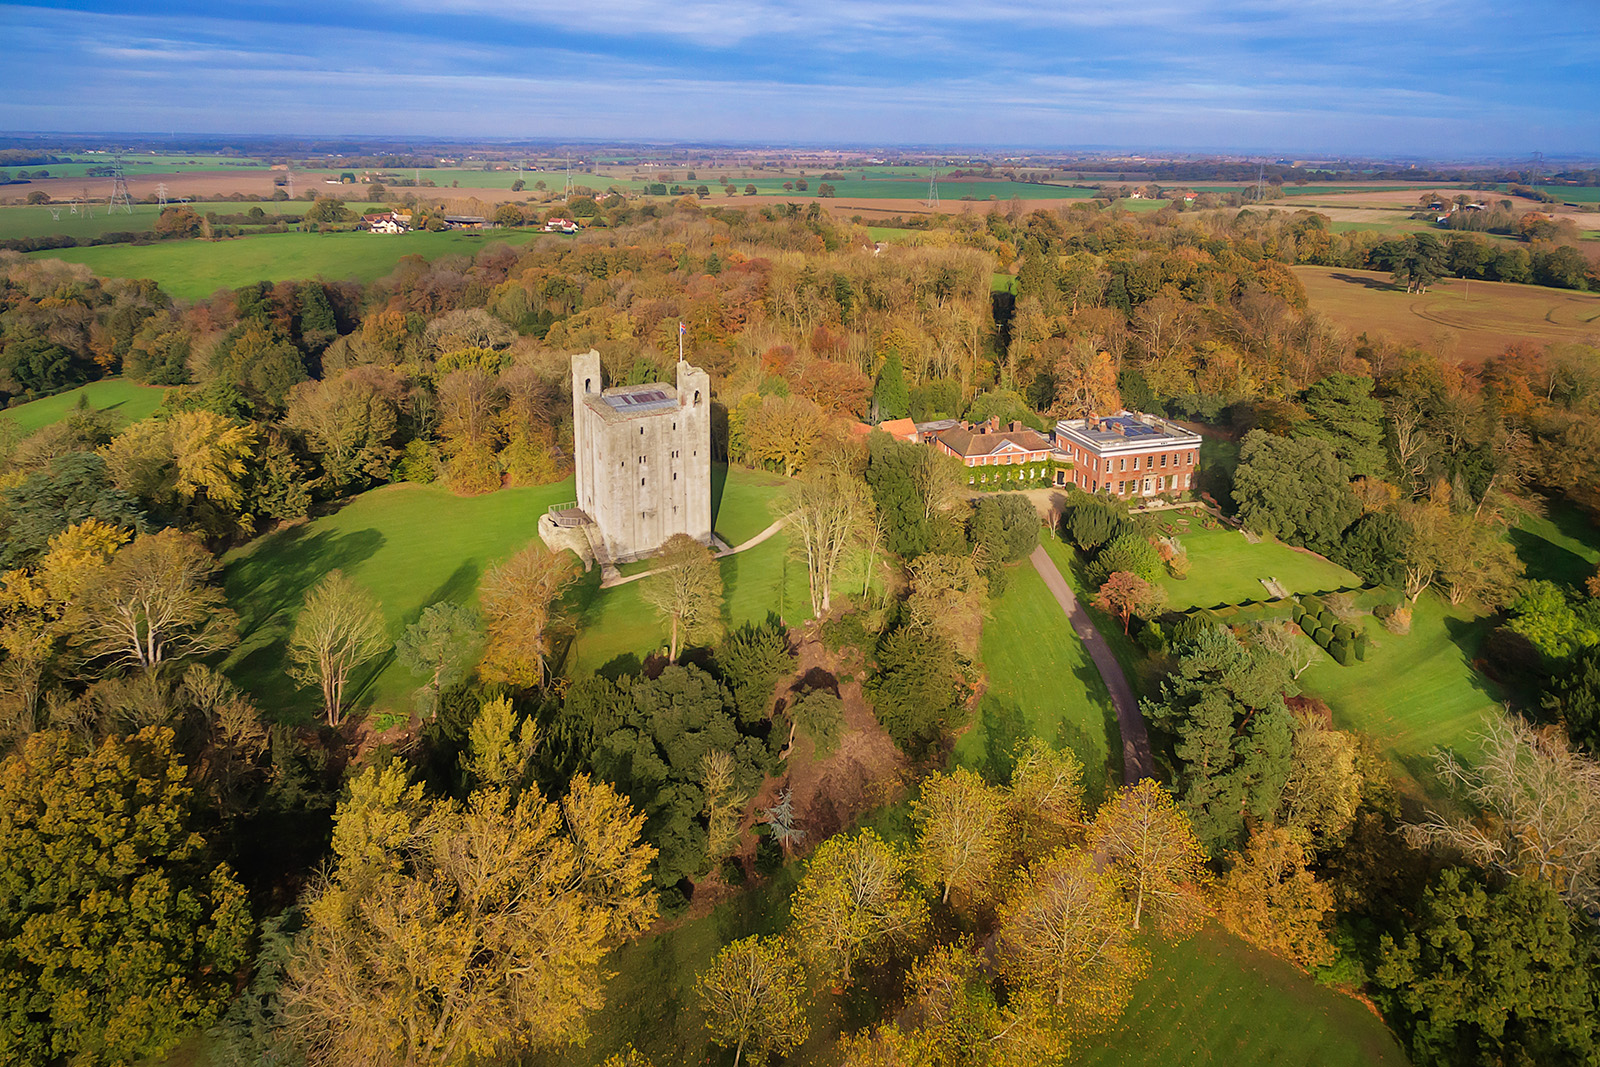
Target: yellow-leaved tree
753	995
1271	900
1151	847
961	833
856	899
458	933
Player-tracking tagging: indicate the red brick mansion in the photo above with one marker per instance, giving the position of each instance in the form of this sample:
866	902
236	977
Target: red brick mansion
1128	454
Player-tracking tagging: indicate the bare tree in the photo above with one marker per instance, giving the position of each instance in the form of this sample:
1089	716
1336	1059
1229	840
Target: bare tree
1543	799
521	601
831	508
155	601
1279	639
339	629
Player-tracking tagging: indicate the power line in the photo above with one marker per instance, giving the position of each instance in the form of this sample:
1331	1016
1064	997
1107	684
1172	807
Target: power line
119	189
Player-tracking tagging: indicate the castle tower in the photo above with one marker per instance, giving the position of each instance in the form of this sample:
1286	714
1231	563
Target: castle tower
642	455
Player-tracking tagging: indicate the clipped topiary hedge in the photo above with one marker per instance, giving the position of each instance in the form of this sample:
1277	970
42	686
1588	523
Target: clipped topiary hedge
1340	651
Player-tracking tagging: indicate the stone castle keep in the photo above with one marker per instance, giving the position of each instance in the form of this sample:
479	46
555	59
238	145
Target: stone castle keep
643	458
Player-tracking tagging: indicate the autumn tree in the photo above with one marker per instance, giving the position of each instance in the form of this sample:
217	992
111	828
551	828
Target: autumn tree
339	628
753	996
724	807
521	603
784	432
350	422
119	931
855	901
961	833
686	591
1046	797
440	647
1086	380
189	468
1542	799
155	601
1066	931
1323	790
831	508
1270	898
502	909
1125	594
1151	847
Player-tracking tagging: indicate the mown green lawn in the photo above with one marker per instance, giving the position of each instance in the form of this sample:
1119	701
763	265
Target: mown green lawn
744	502
130	400
1042	683
1562	545
408	545
1224	568
1215	1000
1414	693
412	545
193	270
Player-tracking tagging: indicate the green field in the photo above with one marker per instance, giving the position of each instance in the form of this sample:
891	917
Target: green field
1224	568
408	545
1215	1000
139	164
1042	683
130	400
745	503
1562	545
1415	693
193	270
38	221
412	545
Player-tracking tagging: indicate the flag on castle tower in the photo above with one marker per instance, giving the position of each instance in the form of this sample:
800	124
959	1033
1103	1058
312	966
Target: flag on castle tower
682	329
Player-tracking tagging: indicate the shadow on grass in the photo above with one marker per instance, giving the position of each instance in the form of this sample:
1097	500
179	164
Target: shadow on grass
267	588
1546	561
719	482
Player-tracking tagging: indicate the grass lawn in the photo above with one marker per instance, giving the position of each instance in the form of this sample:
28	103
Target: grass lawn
193	270
1458	319
1414	693
409	545
617	628
1224	568
742	501
1042	683
130	400
1136	664
1215	1000
1561	545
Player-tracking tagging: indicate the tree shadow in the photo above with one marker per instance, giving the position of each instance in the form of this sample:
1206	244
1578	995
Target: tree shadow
1469	636
456	588
1367	283
1546	561
277	575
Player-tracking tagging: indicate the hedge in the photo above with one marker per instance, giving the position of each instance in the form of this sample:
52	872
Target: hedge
1340	651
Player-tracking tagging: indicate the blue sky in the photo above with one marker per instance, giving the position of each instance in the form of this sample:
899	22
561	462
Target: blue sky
1401	77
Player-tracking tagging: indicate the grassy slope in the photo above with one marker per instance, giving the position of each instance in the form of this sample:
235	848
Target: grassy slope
412	545
192	270
1224	568
1414	693
128	399
744	504
1469	321
1561	545
1042	684
1215	1000
409	545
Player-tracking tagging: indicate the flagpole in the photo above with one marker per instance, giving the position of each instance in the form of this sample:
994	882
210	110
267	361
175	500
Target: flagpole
681	329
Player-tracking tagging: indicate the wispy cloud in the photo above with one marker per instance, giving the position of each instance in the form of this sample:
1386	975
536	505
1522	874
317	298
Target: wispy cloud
1333	75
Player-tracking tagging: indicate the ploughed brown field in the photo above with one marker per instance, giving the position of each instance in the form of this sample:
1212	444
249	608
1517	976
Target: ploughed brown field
1456	319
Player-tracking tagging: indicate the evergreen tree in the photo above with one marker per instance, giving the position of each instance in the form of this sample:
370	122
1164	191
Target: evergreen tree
890	397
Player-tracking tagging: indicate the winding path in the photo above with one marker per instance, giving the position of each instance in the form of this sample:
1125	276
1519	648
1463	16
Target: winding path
724	551
1136	760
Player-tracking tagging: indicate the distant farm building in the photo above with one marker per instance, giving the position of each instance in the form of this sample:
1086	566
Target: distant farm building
1128	454
465	222
560	226
385	222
